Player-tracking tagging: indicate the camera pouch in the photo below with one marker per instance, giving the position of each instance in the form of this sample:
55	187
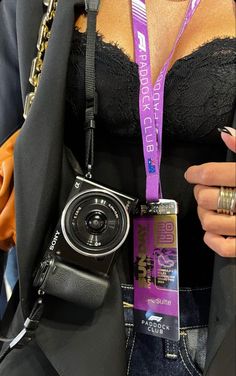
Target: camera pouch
71	284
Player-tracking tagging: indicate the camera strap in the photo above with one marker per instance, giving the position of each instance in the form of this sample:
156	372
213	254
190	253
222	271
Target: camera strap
90	93
27	333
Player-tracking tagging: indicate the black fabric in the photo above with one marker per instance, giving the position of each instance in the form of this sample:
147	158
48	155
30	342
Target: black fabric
43	178
199	97
222	334
9	73
199	90
28	361
224	360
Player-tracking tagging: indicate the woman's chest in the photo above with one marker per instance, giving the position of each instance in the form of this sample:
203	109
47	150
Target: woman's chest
212	18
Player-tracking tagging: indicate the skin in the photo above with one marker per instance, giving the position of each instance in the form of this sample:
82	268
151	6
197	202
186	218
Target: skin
220	229
212	19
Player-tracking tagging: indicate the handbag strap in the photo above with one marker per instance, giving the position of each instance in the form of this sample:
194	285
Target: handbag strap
42	44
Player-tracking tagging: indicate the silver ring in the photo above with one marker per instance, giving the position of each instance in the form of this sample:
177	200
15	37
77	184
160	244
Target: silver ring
227	201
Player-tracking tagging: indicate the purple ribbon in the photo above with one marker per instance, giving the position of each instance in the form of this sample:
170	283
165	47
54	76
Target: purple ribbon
151	99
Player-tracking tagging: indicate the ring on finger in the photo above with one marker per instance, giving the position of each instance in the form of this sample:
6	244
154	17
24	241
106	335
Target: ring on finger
227	201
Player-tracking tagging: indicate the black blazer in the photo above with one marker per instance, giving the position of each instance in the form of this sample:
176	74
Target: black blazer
74	341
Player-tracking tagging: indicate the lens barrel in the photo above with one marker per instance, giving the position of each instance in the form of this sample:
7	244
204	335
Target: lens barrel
95	223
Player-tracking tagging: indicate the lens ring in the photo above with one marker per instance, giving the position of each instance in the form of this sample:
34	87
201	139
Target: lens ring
79	230
89	250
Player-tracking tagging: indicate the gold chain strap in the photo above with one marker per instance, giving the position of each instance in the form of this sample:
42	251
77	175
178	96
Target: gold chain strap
42	44
127	305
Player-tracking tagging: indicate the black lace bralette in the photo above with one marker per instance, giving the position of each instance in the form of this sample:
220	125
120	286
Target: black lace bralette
200	90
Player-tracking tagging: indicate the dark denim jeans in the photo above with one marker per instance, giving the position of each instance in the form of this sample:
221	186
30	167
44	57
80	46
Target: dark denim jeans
152	356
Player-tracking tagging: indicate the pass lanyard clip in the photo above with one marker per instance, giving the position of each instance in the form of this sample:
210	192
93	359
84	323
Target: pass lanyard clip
151	99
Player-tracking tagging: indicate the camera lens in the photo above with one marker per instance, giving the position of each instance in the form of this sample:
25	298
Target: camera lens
96	222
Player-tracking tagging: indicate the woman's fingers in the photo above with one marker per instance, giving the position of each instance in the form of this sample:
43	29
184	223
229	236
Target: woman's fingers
220	229
212	174
221	224
225	247
229	138
206	197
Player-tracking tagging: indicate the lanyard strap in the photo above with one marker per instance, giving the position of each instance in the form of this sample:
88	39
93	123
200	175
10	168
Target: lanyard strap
151	99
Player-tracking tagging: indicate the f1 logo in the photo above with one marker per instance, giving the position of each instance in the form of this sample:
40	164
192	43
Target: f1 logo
142	41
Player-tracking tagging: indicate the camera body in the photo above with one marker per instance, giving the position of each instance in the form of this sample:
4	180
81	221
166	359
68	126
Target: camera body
93	226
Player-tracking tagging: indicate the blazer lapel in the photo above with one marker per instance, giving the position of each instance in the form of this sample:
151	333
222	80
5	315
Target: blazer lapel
43	179
40	187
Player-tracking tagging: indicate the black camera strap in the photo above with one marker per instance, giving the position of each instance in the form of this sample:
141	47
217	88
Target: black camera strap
91	6
32	321
27	333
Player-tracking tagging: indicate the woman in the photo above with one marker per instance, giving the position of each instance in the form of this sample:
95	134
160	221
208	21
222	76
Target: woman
199	98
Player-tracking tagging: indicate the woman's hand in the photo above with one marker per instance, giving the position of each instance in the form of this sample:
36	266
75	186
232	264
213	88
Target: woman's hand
220	229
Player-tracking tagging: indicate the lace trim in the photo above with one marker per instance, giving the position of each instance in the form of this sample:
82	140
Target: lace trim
122	55
200	88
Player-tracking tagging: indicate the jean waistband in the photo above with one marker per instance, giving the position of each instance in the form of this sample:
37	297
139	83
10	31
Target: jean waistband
194	306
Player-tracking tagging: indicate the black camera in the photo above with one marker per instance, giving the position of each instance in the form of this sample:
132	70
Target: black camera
95	221
94	224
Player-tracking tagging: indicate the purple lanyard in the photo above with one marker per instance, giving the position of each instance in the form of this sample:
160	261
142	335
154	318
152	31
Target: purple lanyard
151	98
